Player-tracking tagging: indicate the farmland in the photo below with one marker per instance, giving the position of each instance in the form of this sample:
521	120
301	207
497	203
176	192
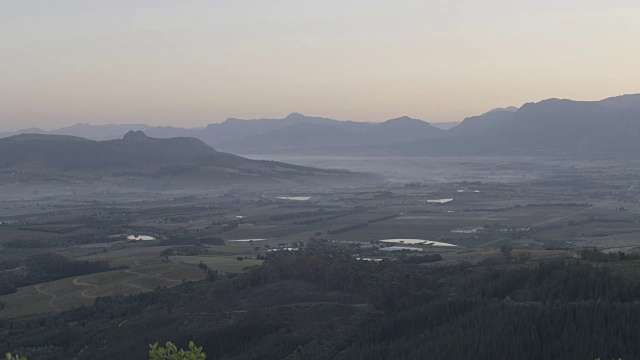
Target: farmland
144	274
223	233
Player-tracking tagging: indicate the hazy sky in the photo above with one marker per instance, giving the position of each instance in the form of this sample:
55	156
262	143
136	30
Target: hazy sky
189	63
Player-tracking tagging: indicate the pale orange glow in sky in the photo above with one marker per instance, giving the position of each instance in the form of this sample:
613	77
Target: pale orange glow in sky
190	63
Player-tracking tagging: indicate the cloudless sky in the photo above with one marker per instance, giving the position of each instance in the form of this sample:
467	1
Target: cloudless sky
190	63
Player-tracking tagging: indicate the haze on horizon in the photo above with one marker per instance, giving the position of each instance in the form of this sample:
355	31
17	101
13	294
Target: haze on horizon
191	63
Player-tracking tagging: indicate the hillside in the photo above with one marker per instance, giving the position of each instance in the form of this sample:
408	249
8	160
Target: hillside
316	307
623	102
34	157
404	129
135	149
300	136
233	129
549	127
481	124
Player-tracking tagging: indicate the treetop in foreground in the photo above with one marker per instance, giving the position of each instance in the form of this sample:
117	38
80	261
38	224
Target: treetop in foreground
171	352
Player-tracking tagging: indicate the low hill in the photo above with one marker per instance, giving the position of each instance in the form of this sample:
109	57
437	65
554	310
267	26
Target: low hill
135	149
34	157
404	129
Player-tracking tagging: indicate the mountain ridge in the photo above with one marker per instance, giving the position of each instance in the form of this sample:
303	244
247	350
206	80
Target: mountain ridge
548	125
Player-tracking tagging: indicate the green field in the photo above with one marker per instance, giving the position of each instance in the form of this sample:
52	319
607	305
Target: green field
26	301
222	264
144	274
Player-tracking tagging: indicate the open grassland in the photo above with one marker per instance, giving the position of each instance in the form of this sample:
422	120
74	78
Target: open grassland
143	274
438	225
233	249
398	228
269	231
128	252
533	216
630	241
222	264
12	254
27	301
14	233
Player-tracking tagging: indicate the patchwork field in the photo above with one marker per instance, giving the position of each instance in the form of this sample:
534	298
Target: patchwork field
143	274
553	217
222	264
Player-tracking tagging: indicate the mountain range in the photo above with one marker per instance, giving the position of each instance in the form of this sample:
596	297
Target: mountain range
611	125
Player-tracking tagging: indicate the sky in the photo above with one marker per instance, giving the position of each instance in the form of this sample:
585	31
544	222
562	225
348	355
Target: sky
190	63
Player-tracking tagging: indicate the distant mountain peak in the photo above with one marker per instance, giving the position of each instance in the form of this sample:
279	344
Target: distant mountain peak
135	136
402	118
295	115
622	102
556	106
508	109
32	130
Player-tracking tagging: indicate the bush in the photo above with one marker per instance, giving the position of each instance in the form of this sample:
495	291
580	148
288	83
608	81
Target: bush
171	352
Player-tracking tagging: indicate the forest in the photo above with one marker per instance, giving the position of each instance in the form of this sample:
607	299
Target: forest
569	309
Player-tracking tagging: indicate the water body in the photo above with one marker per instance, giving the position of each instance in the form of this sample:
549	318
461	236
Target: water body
417	242
247	240
400	248
440	201
283	249
140	238
294	198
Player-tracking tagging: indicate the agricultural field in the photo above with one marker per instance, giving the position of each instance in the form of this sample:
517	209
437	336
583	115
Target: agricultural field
144	274
550	216
218	263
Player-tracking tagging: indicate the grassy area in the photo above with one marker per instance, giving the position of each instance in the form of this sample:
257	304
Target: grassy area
131	251
397	228
144	274
26	301
233	248
219	263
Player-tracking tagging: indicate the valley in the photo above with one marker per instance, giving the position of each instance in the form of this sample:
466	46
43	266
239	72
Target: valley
143	240
539	216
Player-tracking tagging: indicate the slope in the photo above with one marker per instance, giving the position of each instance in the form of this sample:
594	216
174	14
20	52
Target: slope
183	160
